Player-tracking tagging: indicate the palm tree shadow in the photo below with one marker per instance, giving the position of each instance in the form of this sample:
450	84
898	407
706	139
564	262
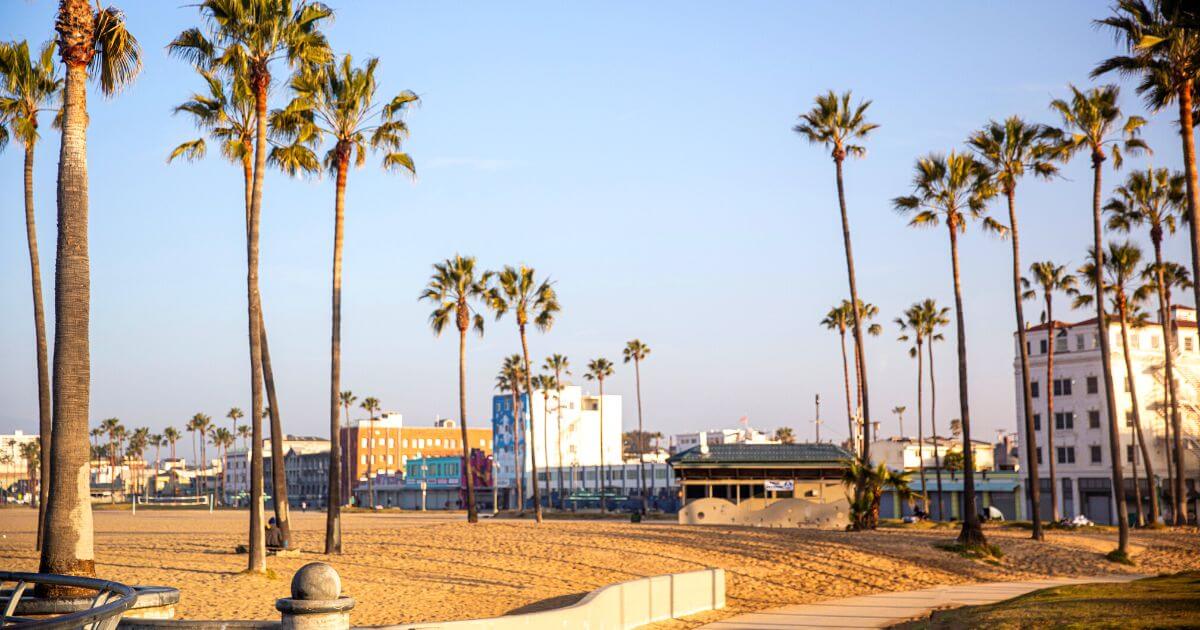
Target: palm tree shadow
550	603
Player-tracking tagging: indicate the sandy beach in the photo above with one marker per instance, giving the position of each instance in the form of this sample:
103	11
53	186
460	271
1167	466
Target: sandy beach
406	567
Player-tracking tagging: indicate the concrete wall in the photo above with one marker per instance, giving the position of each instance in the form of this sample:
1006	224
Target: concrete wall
766	513
625	605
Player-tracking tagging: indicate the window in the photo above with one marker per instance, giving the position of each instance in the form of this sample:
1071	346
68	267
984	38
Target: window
364	442
1066	454
1093	385
1079	342
1187	344
404	443
1042	347
391	442
390	460
1033	388
1039	454
1037	422
1128	418
1062	387
1064	420
363	459
1129	452
1095	454
1060	341
1093	419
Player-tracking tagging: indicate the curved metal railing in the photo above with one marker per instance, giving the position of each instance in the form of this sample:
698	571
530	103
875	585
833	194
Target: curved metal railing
104	613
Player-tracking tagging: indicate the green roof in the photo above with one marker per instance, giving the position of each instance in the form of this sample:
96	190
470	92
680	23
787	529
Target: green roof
805	453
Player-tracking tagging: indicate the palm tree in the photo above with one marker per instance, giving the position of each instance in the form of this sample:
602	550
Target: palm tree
233	414
1094	123
28	87
899	411
245	433
171	435
371	405
1048	278
454	288
560	365
1121	268
109	428
866	313
915	325
337	101
785	435
92	41
954	189
835	124
838	318
1162	43
222	438
340	466
243	38
511	378
544	383
517	289
598	370
864	507
200	424
96	434
1153	198
157	441
1010	149
637	352
137	448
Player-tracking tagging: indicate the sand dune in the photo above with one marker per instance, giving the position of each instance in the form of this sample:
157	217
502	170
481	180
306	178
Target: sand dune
409	567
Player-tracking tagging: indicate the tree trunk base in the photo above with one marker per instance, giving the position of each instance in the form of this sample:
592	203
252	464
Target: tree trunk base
971	535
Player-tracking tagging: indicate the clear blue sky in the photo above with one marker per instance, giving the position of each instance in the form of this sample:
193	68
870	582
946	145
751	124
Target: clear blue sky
640	153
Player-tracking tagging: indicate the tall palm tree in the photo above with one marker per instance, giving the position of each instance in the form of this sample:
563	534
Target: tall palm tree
899	411
913	327
242	38
337	101
511	378
517	289
245	433
1048	278
560	365
1154	198
1093	122
341	464
96	434
137	448
866	313
1010	149
1121	269
454	288
171	435
636	351
28	87
545	383
233	414
200	425
953	189
92	41
222	439
1162	43
598	370
109	428
157	441
835	124
934	318
370	404
839	318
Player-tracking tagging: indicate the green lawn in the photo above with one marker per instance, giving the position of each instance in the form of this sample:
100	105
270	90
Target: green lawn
1171	601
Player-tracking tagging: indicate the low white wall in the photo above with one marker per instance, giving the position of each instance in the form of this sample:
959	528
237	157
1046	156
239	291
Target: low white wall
625	605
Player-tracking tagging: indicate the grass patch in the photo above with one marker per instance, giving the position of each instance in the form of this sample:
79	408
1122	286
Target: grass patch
895	523
1170	601
1118	556
989	552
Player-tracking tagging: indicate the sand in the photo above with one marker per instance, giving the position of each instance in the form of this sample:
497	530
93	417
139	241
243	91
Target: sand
406	567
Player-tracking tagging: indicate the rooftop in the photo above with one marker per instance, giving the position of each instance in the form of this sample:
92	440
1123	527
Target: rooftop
804	453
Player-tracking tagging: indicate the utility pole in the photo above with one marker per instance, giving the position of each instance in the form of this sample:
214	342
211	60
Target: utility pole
817	421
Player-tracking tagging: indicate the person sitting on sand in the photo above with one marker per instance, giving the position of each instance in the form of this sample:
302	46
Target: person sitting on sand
275	539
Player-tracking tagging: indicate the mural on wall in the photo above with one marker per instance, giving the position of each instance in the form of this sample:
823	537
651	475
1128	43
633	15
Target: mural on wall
505	439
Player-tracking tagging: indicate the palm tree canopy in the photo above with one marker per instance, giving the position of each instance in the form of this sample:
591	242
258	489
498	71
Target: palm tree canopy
1121	267
225	112
559	364
234	413
598	369
347	398
1012	147
243	37
545	382
950	188
1092	119
511	375
1048	277
28	86
635	350
370	404
337	100
1153	197
837	124
518	290
111	54
920	322
1162	46
453	288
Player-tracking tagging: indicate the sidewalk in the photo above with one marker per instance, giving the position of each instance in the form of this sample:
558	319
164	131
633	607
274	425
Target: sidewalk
884	609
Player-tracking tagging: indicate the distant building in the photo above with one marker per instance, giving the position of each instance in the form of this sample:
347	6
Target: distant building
746	435
431	483
15	483
902	453
1007	453
237	477
1081	433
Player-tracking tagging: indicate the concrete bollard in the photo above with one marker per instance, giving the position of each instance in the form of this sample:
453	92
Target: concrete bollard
316	602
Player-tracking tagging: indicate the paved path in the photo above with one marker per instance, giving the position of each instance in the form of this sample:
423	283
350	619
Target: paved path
884	609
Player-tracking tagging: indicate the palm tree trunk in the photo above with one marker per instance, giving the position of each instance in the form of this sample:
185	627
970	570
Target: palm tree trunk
846	382
1034	497
1137	424
637	370
537	496
560	463
257	557
472	515
601	381
865	408
1172	406
67	543
333	522
921	425
1114	435
518	454
971	534
546	446
1186	133
45	425
1026	390
196	464
937	458
278	476
371	460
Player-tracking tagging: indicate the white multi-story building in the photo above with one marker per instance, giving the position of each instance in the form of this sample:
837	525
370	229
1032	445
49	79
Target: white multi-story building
237	465
1080	430
903	453
746	435
579	429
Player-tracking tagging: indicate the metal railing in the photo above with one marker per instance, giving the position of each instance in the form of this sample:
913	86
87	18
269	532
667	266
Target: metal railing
104	613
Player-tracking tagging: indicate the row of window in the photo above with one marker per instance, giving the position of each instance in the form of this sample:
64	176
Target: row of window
1065	420
416	443
1063	386
1090	341
1066	454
